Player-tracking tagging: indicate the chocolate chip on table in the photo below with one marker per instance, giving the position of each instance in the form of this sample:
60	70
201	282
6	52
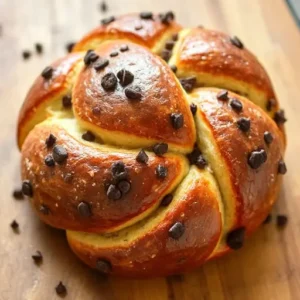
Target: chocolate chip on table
281	220
27	188
37	257
244	124
70	46
124	48
166	200
169	45
84	209
271	103
188	83
176	231
167	17
236	42
177	120
166	54
103	265
175	37
268	137
173	68
90	57
50	140
279	117
138	27
133	92
101	64
146	15
236	105
49	161
223	95
47	73
114	54
124	186
125	77
268	219
15	226
38	48
235	238
161	171
257	158
109	81
18	194
88	136
67	101
193	108
160	148
108	20
44	209
142	157
113	192
26	54
59	154
103	6
282	167
61	289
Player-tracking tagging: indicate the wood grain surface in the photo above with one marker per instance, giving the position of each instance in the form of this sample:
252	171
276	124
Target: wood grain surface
268	267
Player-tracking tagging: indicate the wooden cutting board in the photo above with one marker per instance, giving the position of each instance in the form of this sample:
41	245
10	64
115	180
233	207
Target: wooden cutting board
268	267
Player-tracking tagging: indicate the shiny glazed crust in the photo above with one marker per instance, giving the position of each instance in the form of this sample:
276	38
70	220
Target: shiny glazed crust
153	170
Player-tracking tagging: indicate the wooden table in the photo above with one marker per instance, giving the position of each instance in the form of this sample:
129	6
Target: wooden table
268	267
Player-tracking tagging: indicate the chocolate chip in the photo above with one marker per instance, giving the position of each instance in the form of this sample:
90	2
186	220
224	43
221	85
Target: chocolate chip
113	192
49	161
124	48
235	238
108	20
26	54
67	101
166	200
125	77
281	220
101	64
142	157
146	15
271	103
88	136
193	108
236	42
27	188
282	167
96	110
133	92
114	54
90	57
60	154
124	186
84	209
50	140
109	81
70	46
177	120
167	17
173	68
18	194
257	158
160	148
243	124
44	209
196	158
268	137
223	95
169	45
279	117
176	231
201	162
68	177
104	266
188	83
61	289
38	48
14	225
138	27
117	167
268	219
161	171
175	37
236	105
47	73
37	257
165	54
103	6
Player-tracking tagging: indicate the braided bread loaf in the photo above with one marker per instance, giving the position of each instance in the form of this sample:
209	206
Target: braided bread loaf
152	165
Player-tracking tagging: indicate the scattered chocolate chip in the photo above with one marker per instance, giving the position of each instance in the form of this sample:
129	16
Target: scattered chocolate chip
173	68
113	192
27	188
101	64
70	46
90	57
96	110
68	177
38	48
124	186
61	289
160	148
169	45
108	20
18	194
146	15
114	54
257	158
188	83
37	257
44	209
49	161
176	120
200	162
104	266
176	231
193	108
88	136
236	42
166	200
67	101
167	17
26	54
50	140
175	37
281	220
125	77
235	238
268	219
138	27
161	171
279	117
282	167
223	95
268	137
243	124
109	81
117	167
133	92
60	154
236	105
14	225
84	209
271	103
103	6
142	157
124	48
47	73
165	54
